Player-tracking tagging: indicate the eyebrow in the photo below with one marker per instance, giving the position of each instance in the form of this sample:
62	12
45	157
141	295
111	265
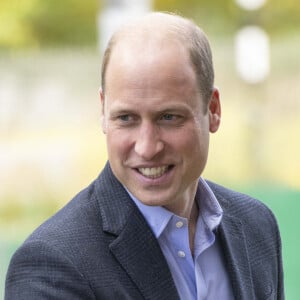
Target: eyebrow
125	108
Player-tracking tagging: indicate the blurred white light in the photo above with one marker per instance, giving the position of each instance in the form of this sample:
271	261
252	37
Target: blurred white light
116	13
252	52
250	4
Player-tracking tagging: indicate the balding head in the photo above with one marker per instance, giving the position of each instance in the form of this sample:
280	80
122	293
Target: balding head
154	32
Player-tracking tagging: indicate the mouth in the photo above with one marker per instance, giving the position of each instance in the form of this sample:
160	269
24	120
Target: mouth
154	172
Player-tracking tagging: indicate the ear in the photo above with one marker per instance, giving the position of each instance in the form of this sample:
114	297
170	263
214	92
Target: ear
102	118
214	110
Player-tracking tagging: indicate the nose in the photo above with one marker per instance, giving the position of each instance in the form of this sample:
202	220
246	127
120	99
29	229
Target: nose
148	143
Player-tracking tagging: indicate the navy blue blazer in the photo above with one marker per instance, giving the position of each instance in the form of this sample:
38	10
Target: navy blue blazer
99	246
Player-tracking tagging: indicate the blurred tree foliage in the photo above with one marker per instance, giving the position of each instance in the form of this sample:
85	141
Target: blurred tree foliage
43	23
64	22
47	22
225	16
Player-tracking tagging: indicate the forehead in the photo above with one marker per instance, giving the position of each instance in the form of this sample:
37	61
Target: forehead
149	61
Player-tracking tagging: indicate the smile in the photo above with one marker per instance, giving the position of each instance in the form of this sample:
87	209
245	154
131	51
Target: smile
153	172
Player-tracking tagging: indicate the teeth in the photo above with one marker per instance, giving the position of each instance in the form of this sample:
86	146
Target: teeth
153	172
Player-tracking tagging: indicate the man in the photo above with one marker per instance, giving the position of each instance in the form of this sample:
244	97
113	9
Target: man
150	227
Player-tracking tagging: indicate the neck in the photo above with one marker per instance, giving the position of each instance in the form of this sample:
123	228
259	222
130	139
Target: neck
192	225
184	206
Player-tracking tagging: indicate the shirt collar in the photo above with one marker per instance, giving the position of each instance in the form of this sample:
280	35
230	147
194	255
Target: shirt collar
209	206
158	217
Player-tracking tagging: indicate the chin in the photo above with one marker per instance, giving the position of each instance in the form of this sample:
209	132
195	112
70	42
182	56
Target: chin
152	198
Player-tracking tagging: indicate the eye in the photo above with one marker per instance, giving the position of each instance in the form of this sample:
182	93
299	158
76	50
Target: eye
172	119
168	117
124	118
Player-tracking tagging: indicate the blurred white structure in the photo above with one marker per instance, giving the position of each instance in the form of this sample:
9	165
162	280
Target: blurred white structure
252	48
252	54
115	13
250	4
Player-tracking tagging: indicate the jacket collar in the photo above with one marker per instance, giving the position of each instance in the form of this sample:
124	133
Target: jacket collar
135	246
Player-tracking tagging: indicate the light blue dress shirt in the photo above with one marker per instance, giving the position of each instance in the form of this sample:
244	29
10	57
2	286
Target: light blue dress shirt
202	276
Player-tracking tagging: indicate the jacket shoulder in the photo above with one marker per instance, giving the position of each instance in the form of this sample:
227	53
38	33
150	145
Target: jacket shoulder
256	216
239	204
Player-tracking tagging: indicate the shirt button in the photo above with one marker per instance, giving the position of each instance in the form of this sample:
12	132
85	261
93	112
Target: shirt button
179	224
181	254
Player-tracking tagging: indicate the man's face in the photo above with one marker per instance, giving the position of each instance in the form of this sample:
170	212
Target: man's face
156	127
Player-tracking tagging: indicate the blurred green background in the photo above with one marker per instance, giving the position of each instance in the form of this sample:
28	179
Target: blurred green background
51	145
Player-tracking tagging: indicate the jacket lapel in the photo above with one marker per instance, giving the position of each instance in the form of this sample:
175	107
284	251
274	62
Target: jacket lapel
232	238
140	255
135	246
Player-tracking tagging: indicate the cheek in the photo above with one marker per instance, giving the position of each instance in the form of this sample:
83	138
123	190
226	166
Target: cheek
118	144
194	146
189	139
